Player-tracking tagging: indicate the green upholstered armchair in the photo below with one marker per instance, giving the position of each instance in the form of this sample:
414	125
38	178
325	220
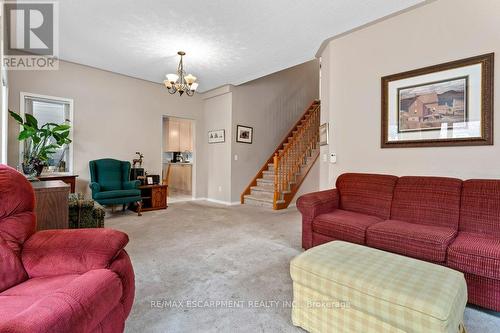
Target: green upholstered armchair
111	184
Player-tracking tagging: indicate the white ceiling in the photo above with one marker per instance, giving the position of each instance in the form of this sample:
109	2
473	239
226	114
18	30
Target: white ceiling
226	41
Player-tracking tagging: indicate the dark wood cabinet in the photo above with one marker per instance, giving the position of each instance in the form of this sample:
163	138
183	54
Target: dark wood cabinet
51	204
68	179
153	197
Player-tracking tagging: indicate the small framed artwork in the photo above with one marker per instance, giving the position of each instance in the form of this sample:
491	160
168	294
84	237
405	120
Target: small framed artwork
323	134
244	134
450	104
149	180
216	136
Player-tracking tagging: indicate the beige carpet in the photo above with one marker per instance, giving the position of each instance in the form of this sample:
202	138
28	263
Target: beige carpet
202	267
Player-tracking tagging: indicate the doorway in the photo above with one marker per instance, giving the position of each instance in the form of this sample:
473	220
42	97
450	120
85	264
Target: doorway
178	158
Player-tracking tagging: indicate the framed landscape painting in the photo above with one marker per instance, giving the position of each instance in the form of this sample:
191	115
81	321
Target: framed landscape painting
449	104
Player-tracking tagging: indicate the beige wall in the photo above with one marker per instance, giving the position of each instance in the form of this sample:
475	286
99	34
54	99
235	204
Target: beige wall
441	31
218	112
114	116
271	105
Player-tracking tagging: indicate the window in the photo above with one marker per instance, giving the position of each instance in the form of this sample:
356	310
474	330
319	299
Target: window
47	109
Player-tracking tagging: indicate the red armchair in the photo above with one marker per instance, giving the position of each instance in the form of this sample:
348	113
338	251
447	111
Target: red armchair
58	280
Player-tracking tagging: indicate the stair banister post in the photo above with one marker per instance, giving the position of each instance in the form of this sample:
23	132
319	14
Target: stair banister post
276	180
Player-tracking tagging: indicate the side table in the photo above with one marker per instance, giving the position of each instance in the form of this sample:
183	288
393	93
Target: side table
51	204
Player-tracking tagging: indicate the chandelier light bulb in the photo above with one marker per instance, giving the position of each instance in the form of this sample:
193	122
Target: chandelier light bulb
190	79
172	78
167	84
194	86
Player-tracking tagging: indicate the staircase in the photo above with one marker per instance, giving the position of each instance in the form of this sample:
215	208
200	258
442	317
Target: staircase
280	177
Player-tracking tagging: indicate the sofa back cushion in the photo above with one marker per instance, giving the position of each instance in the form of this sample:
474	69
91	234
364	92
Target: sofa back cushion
17	224
480	208
427	200
366	193
11	268
108	173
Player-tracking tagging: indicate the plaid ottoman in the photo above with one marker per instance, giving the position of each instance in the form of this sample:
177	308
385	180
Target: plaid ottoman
85	213
345	287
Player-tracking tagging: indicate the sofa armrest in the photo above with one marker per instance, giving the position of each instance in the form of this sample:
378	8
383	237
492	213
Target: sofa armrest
311	205
95	187
71	251
132	184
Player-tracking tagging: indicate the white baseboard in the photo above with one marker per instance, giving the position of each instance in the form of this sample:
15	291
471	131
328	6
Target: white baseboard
221	202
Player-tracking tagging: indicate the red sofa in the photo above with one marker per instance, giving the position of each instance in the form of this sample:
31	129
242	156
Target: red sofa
441	220
58	280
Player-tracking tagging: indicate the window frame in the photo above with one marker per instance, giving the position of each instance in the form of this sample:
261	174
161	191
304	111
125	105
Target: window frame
69	101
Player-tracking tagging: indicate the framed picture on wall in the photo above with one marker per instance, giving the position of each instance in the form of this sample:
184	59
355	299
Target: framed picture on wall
323	134
450	104
244	134
217	136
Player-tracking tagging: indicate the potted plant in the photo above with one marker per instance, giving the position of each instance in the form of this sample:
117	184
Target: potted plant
39	142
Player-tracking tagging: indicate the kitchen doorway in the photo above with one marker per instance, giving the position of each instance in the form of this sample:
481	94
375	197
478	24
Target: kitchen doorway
178	158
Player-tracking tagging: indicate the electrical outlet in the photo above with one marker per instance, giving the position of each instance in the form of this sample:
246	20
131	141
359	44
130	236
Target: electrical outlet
220	188
235	157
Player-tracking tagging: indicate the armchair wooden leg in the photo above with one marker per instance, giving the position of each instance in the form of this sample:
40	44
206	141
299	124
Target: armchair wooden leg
139	208
124	207
112	208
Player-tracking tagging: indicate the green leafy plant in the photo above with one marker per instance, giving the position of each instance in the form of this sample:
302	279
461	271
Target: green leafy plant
40	143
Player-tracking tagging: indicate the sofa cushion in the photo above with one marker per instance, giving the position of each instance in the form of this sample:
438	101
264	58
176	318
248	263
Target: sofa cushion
117	194
71	251
344	225
480	208
431	201
17	220
41	286
11	268
475	254
410	239
366	193
78	306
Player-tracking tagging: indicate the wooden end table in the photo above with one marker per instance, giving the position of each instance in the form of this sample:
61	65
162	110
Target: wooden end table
51	204
154	197
67	178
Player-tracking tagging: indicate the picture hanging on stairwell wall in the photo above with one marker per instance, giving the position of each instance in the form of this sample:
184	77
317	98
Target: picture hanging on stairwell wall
217	136
244	134
323	134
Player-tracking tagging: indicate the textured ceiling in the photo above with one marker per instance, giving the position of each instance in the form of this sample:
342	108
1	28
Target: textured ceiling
226	41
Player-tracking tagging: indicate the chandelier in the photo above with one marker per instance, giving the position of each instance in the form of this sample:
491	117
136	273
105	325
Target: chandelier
181	82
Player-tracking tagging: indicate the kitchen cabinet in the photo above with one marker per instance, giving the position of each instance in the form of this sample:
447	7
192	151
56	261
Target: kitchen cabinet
180	178
177	134
185	136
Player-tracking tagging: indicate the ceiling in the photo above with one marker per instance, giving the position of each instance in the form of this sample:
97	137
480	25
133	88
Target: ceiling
226	41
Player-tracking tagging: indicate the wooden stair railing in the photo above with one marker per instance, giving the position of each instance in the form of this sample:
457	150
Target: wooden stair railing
293	158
